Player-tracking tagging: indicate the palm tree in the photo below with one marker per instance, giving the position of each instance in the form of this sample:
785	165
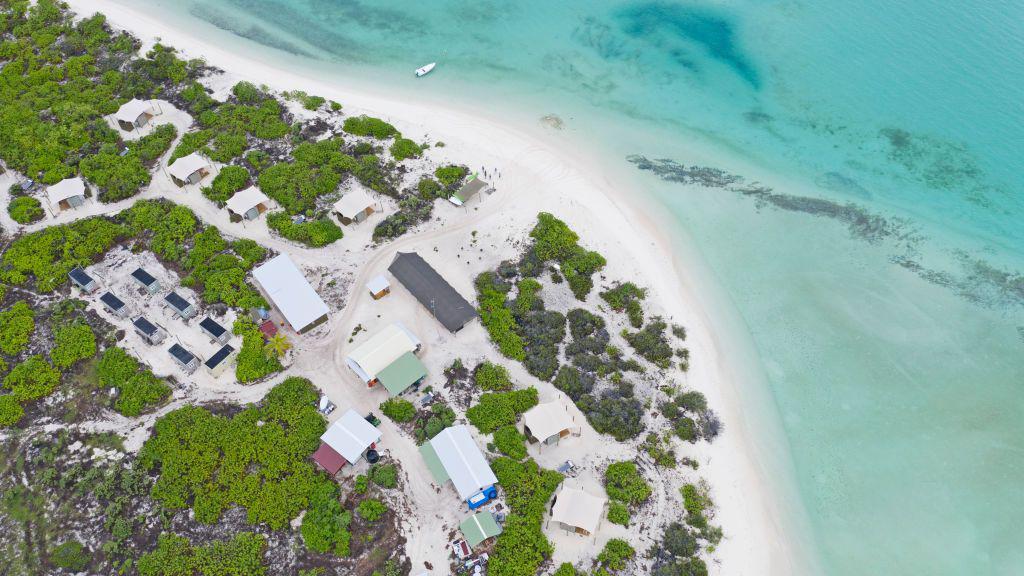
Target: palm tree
277	345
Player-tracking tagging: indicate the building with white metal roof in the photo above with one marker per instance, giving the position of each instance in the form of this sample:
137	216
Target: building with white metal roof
380	350
453	455
290	292
350	436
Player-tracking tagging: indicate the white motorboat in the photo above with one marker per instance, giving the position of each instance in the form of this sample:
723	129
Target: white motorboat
425	69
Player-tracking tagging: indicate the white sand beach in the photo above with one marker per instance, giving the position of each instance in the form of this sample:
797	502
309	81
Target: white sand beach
540	170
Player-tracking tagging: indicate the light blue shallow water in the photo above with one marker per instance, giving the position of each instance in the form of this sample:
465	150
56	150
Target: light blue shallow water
880	278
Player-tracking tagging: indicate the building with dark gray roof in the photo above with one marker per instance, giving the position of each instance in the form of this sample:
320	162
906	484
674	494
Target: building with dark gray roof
432	291
82	280
146	281
220	360
148	331
184	358
181	307
113	304
215	331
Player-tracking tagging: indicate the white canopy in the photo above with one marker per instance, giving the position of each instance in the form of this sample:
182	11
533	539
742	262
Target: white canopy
183	167
381	350
353	203
67	188
377	284
351	435
576	508
291	293
132	109
548	419
245	200
462	460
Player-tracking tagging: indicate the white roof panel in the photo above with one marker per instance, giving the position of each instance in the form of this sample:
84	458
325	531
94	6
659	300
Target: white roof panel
353	203
351	435
466	466
132	109
291	293
382	349
578	509
67	188
245	200
378	283
183	167
548	419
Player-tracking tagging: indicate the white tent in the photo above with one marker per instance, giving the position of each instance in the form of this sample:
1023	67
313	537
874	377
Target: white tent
245	200
548	420
288	289
130	111
462	461
65	190
186	166
350	436
576	510
353	204
381	350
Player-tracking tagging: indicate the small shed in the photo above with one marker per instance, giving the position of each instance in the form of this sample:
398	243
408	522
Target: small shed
576	511
184	358
404	372
355	206
468	191
146	281
114	305
479	527
380	351
215	331
66	194
453	455
133	114
548	423
189	169
351	436
248	204
82	280
179	305
221	359
268	329
290	292
148	331
432	291
379	287
328	459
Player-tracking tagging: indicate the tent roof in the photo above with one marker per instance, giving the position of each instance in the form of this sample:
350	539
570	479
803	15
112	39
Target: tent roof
183	167
350	435
353	203
432	291
402	373
479	527
288	289
462	461
382	349
578	509
132	109
470	189
245	200
66	188
548	419
328	459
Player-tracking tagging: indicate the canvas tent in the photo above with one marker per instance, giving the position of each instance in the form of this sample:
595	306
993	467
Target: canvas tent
66	194
355	206
248	204
188	169
576	511
548	422
133	114
432	291
380	351
468	191
404	372
291	294
479	527
452	455
351	436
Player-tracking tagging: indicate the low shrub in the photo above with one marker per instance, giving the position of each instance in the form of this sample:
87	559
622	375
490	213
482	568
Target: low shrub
371	510
325	526
314	233
651	344
16	326
627	296
369	126
253	362
522	548
497	409
618	513
398	409
623	482
616	553
231	179
176	556
72	343
497	318
510	442
71	555
451	176
384	475
10	410
25	210
491	377
31	379
403	148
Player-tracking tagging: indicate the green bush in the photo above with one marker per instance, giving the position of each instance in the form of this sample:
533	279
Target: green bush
440	417
623	482
566	569
403	148
361	485
384	475
16	326
70	555
497	318
25	210
497	409
314	233
369	126
554	240
325	526
492	377
49	254
72	343
510	442
253	362
398	409
651	343
246	92
10	410
522	548
31	379
176	556
371	510
627	297
450	176
152	146
231	179
616	553
141	392
618	513
428	189
412	210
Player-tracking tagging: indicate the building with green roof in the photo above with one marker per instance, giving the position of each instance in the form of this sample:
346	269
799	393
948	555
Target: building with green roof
479	527
405	371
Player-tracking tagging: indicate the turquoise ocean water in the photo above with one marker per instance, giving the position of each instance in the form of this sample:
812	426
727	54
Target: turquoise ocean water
851	173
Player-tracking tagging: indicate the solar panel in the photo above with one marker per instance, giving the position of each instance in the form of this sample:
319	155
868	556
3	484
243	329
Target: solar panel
212	327
181	355
80	277
176	301
219	356
112	302
145	326
144	277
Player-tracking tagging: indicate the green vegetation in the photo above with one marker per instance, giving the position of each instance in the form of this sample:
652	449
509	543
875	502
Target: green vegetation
231	179
384	475
253	361
698	505
451	176
119	176
566	569
258	459
522	548
618	513
49	254
554	240
627	296
70	555
439	418
651	343
496	318
623	482
412	210
428	189
72	342
510	442
660	450
616	553
314	233
176	556
361	484
691	417
16	326
492	377
371	510
10	410
615	411
325	526
138	388
403	148
25	210
497	409
369	126
398	409
32	379
308	102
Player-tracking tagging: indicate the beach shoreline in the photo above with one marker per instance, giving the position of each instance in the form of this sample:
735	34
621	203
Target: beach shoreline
759	538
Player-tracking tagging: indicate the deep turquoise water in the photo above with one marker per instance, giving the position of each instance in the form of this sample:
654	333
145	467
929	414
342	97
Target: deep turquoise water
880	275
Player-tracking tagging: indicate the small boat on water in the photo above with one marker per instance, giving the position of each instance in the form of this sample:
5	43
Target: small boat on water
425	69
